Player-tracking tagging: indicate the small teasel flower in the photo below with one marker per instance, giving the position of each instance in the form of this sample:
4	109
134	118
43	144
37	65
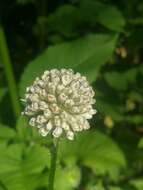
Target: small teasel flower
59	102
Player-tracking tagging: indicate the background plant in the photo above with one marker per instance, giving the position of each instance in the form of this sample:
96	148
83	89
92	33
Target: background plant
100	39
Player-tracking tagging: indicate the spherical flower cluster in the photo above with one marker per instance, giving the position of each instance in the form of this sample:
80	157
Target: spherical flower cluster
59	102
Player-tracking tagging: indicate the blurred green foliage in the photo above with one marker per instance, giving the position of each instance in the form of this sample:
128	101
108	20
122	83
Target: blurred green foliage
102	40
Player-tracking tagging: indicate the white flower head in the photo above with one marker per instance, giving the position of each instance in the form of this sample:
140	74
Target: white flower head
59	102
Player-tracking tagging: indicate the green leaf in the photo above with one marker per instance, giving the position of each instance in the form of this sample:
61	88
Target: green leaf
116	80
97	186
111	17
67	178
131	75
2	187
136	119
110	109
63	20
85	55
21	168
104	47
121	80
137	183
107	15
95	150
6	133
140	145
135	96
115	188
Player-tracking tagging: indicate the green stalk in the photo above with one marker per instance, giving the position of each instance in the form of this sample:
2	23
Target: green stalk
54	151
5	58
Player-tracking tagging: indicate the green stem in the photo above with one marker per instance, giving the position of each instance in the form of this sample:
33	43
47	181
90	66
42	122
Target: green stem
54	151
5	58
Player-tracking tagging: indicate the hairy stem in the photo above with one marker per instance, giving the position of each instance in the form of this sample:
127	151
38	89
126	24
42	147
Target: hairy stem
5	58
54	151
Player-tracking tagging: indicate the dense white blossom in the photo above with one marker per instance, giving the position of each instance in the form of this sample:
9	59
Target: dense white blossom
59	102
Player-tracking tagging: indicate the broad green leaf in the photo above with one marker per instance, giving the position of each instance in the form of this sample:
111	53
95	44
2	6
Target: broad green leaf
131	75
110	109
120	188
116	80
128	141
137	183
6	133
91	67
136	119
140	145
63	20
85	55
121	80
107	15
135	96
98	186
2	187
16	181
69	20
111	17
95	150
106	104
117	188
21	168
67	178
